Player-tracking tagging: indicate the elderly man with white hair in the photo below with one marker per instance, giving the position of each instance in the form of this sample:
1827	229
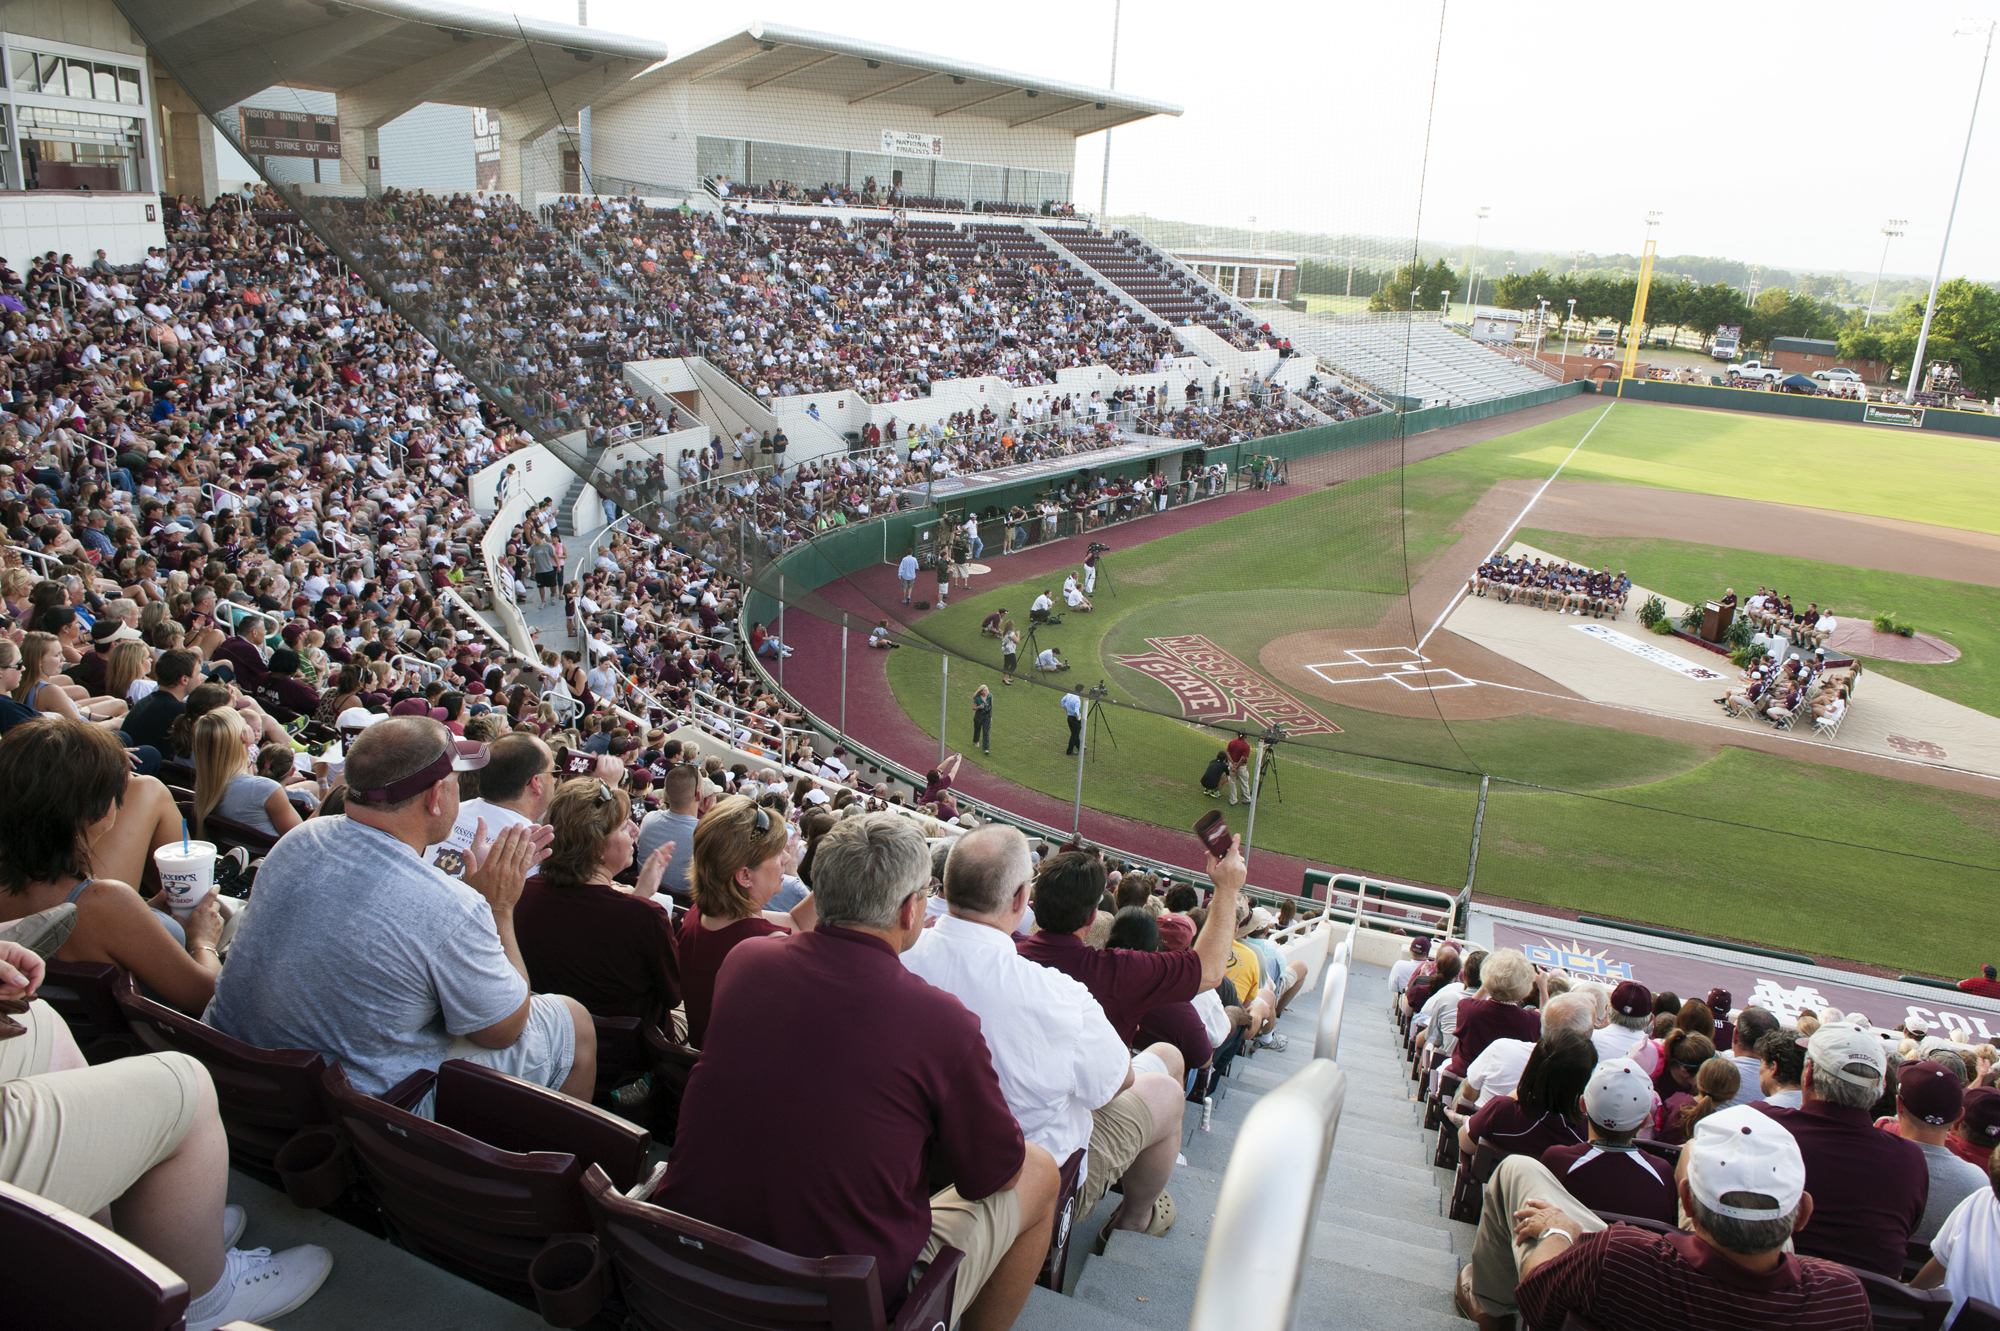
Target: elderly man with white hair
1067	1076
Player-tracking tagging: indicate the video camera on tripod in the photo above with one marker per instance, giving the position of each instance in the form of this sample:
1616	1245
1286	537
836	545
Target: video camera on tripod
1099	548
1097	692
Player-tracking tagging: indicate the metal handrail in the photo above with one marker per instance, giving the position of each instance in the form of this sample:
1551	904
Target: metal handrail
1333	999
1264	1216
426	671
48	562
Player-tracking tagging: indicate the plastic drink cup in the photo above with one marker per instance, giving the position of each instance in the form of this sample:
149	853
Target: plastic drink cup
186	875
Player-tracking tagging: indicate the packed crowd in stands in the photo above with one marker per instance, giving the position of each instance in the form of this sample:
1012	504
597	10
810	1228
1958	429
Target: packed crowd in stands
1634	1160
874	195
790	305
1564	588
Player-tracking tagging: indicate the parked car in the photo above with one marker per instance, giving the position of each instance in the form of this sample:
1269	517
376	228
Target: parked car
1839	374
1756	369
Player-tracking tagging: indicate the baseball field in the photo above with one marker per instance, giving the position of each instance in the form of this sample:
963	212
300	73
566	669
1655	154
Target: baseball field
1762	837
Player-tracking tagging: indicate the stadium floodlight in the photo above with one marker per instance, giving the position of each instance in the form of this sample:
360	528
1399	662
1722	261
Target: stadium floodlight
1970	28
1104	186
1472	269
1566	323
1890	230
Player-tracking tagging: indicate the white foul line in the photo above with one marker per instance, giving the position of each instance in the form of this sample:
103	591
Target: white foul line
1453	603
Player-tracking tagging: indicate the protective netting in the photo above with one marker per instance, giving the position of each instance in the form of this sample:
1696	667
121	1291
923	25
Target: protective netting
809	364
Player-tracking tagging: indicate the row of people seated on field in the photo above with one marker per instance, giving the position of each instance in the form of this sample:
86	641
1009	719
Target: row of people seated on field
1564	588
1779	693
1774	614
406	965
1571	1109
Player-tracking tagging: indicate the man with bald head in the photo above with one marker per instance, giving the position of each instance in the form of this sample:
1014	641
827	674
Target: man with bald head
362	952
1068	1077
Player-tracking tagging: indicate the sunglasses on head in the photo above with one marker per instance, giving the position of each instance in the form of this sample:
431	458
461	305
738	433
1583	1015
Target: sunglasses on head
763	821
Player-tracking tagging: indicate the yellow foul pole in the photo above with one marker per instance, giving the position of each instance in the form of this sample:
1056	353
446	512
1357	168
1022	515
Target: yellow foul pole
1638	316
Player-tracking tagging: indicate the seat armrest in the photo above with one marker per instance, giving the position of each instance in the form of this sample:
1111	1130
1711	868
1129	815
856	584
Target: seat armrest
515	1115
408	1093
929	1304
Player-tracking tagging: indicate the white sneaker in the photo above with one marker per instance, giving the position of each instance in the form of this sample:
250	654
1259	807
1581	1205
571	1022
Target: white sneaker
263	1286
234	1221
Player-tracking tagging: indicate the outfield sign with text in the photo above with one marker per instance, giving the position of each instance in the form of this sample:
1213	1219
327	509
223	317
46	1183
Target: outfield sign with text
1884	414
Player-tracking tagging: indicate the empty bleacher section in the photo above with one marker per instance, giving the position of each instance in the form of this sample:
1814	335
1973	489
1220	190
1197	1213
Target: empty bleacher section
1413	357
1146	276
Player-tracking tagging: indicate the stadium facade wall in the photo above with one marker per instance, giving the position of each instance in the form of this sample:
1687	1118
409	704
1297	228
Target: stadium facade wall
1795	404
651	133
81	224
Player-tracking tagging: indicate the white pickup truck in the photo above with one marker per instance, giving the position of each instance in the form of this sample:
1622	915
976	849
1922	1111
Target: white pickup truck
1756	369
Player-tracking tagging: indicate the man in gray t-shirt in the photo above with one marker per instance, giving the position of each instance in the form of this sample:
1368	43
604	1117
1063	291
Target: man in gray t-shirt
675	823
360	951
1929	1099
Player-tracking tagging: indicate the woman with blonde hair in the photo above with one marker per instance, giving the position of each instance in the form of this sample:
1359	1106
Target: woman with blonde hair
1495	1012
742	853
224	785
43	688
609	947
129	674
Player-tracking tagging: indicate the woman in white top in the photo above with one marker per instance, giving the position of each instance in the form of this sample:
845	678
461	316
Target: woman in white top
225	786
129	674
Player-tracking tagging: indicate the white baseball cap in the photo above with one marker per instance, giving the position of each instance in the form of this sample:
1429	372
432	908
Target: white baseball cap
356	718
1852	1053
1619	1096
1745	1151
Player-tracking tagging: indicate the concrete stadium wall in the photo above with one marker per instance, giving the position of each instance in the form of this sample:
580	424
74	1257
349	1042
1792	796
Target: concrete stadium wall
1797	404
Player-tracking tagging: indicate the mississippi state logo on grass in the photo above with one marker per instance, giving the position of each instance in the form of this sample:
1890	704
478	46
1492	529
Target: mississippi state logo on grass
1212	685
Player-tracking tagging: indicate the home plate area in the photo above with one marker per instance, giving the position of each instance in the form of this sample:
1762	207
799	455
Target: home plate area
1403	666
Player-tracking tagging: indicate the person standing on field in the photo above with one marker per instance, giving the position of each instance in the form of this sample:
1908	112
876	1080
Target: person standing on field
982	718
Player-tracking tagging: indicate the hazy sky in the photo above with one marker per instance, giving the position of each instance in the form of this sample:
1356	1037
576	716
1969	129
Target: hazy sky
1772	134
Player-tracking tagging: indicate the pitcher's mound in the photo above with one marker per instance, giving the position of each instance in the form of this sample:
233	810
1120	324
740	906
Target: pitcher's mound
1857	637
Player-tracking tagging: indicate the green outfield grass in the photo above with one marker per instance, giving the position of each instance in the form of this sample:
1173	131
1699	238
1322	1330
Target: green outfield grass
1395	795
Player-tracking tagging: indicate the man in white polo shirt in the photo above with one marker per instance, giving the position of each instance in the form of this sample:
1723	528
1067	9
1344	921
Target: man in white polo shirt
1068	1078
906	573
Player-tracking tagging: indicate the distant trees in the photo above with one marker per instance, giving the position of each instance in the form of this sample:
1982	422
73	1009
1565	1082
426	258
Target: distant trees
1434	285
1966	329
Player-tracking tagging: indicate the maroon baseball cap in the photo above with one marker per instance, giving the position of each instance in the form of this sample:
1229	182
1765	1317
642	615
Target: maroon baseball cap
1420	947
1931	1092
1719	1001
1632	999
1982	1115
1176	932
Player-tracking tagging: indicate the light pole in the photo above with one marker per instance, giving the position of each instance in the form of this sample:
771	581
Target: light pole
1566	323
1471	269
1104	187
1414	293
1350	274
1930	306
1890	230
1541	323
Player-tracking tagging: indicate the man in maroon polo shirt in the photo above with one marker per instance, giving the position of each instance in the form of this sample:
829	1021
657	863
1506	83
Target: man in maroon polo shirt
1872	1186
1128	984
1542	1252
900	1083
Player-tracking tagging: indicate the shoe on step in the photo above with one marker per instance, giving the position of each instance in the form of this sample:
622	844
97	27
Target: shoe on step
263	1286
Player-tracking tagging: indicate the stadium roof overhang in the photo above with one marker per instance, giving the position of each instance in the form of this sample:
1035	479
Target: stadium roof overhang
767	55
383	57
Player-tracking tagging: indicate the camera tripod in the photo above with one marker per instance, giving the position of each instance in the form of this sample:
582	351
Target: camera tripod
1098	718
1270	769
1034	647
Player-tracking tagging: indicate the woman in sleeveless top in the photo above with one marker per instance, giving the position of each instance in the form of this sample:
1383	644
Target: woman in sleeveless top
62	783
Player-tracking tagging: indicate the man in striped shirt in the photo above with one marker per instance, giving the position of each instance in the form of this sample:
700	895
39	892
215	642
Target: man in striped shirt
1742	1180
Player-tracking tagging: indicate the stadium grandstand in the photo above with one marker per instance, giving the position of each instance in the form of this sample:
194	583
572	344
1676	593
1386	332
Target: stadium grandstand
431	437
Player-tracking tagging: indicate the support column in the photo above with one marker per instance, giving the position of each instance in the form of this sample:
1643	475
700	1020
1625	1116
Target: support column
360	155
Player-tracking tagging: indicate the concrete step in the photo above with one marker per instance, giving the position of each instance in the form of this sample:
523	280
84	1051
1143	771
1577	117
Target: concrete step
1378	1254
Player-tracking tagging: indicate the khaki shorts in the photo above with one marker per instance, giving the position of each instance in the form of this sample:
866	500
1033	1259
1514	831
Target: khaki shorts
81	1138
982	1230
1118	1132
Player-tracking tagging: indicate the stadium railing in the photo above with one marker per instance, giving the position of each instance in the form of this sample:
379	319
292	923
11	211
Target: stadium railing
1386	906
1264	1215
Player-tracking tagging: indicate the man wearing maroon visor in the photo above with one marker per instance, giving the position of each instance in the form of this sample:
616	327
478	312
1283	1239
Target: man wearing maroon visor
359	950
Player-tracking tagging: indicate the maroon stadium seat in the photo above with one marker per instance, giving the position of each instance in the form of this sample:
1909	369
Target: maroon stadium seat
1055	1267
83	1275
269	1098
83	995
483	1186
1897	1307
675	1272
628	1047
1977	1315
